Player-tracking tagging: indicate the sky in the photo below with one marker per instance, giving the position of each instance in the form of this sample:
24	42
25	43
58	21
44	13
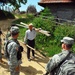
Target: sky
31	2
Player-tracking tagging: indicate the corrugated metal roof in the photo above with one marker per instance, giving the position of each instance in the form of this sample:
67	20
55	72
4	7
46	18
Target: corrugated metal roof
55	1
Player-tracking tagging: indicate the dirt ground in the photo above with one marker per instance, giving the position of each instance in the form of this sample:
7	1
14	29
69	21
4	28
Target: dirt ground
33	67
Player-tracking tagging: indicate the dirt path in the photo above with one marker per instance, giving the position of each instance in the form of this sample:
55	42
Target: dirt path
33	67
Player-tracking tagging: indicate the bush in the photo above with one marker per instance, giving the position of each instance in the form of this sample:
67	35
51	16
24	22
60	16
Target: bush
22	34
64	30
27	20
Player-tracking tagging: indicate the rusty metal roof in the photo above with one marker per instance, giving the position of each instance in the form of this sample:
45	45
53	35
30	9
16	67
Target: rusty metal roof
56	1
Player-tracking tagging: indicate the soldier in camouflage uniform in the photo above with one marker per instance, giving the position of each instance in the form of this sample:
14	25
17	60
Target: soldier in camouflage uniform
67	43
12	49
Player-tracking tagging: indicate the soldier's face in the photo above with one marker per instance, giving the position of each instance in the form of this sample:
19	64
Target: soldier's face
17	35
63	45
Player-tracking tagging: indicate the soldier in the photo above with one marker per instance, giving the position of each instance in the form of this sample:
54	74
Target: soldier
54	65
8	35
12	50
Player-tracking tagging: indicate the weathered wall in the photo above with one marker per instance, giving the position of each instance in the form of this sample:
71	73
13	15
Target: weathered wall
64	11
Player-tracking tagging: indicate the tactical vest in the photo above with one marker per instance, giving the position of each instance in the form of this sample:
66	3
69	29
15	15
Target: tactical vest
20	49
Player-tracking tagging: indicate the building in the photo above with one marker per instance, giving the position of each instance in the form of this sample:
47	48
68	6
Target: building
64	9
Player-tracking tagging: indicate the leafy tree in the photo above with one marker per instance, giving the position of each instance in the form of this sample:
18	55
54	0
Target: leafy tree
31	9
46	12
15	3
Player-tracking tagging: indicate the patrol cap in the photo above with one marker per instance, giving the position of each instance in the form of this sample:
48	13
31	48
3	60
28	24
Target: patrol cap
14	30
68	40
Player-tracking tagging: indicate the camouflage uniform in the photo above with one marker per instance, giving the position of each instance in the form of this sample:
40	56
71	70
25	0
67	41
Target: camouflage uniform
12	49
12	60
8	35
54	62
68	66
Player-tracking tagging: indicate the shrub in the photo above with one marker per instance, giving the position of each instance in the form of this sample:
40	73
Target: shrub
64	30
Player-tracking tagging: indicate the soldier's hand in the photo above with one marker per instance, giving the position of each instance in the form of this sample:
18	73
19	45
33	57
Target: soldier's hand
17	69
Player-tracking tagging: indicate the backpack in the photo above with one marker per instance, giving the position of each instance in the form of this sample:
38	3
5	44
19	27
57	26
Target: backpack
66	67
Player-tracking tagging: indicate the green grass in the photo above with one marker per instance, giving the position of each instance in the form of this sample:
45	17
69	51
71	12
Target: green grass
20	15
22	33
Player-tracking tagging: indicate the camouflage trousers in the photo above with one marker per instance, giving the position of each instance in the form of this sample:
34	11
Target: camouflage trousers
12	70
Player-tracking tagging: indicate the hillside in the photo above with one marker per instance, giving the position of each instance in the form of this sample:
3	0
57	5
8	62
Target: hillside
4	24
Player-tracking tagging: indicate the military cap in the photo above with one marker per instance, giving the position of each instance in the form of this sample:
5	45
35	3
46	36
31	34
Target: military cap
14	29
68	40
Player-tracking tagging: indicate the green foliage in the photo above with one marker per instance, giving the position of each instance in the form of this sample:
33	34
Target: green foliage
22	33
30	16
64	30
25	20
16	3
20	15
46	24
52	49
46	12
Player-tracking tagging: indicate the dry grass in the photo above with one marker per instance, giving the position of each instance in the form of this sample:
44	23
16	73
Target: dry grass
4	24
